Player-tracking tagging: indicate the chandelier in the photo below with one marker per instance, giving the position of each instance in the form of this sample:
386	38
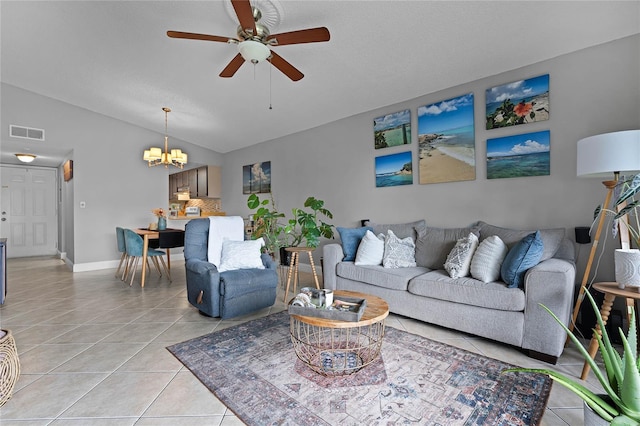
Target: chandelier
155	156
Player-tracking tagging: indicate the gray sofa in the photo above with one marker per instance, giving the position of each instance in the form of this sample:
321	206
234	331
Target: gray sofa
491	310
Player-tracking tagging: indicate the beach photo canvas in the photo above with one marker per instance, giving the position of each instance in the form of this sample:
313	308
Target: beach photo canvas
446	141
256	178
394	169
519	155
519	102
392	129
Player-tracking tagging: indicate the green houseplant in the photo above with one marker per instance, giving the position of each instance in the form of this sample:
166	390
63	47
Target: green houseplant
267	222
620	380
308	226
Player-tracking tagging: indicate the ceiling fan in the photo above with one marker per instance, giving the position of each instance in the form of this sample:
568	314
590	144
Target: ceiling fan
255	41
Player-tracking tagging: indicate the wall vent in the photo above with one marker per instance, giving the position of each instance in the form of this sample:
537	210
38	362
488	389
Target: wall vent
26	133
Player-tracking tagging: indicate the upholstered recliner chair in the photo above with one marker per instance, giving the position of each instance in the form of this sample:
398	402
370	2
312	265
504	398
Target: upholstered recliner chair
236	290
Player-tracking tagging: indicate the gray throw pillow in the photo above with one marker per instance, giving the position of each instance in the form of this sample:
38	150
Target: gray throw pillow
551	238
434	244
401	230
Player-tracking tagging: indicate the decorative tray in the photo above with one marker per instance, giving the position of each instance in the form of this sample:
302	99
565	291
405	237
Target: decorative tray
353	309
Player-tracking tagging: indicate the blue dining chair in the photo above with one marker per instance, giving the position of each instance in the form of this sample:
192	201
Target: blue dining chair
122	248
134	243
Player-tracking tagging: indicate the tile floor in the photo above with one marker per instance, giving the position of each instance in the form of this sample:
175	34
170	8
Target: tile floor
92	350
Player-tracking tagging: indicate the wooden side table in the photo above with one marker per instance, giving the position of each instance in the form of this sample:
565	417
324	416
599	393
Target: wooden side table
293	267
610	291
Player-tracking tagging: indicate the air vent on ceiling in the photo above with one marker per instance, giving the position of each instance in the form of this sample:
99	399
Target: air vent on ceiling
26	132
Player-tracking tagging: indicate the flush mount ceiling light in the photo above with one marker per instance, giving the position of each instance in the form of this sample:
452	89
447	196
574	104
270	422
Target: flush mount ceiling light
26	158
155	156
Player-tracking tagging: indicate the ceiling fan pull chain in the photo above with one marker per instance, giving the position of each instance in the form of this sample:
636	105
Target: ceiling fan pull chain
270	66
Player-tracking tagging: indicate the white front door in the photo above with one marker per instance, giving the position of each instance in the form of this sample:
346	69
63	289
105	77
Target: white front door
28	215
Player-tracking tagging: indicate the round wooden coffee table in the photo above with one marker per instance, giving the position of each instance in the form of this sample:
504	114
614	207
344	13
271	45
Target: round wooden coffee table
334	348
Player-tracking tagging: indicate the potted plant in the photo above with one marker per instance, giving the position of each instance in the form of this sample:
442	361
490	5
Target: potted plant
307	226
620	380
267	222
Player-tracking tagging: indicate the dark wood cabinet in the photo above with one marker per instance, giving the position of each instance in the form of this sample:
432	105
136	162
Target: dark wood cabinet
203	182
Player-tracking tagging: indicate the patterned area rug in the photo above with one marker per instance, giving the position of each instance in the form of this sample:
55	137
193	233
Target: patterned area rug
253	369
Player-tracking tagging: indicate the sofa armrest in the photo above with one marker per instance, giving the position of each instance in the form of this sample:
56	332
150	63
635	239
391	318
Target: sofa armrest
550	283
268	262
332	254
203	286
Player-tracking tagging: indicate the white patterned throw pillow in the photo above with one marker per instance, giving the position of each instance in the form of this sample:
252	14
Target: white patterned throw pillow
370	250
459	260
241	255
486	262
398	253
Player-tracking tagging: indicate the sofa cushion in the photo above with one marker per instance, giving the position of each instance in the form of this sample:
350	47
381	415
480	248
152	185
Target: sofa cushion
524	255
370	250
391	278
551	238
458	262
434	244
398	253
468	291
487	260
350	238
402	230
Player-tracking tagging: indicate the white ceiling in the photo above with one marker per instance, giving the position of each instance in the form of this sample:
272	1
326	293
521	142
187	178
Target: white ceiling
114	58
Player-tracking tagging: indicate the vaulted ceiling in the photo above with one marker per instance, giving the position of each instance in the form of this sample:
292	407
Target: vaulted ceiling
114	57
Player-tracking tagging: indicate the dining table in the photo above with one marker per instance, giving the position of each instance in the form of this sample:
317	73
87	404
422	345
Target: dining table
149	235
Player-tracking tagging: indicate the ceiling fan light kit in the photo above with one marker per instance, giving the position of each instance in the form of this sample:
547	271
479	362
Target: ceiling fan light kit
255	41
155	156
25	158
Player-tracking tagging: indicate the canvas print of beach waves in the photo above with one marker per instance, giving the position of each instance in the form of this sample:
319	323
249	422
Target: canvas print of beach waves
446	139
394	170
520	102
519	155
392	129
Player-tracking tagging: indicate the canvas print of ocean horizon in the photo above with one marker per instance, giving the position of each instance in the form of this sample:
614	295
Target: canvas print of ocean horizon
256	178
519	102
392	129
519	155
446	141
394	169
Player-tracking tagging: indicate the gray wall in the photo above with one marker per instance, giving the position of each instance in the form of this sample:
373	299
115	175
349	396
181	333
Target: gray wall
592	91
109	174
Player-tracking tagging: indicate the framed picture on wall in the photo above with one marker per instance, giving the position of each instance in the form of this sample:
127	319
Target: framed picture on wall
519	102
523	155
394	169
392	129
446	141
256	178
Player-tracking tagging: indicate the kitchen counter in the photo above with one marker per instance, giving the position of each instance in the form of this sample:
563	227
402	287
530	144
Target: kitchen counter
203	214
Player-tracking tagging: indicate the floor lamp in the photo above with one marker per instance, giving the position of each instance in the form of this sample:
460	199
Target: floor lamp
605	155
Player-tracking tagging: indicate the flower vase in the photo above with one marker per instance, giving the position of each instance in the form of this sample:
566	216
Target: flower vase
162	223
627	268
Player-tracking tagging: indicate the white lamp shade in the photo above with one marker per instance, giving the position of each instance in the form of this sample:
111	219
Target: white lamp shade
155	153
602	155
253	51
26	158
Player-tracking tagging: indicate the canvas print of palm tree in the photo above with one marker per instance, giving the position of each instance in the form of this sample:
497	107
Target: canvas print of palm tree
256	178
394	169
392	129
446	141
519	155
519	102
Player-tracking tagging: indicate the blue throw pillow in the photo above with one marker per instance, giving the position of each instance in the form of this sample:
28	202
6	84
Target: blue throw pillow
524	255
351	238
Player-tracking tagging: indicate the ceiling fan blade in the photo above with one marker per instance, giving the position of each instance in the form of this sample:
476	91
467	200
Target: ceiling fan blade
233	66
287	69
311	35
244	11
194	36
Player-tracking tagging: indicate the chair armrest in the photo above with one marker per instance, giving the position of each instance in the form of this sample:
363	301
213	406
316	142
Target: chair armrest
200	267
550	283
332	254
268	262
203	286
